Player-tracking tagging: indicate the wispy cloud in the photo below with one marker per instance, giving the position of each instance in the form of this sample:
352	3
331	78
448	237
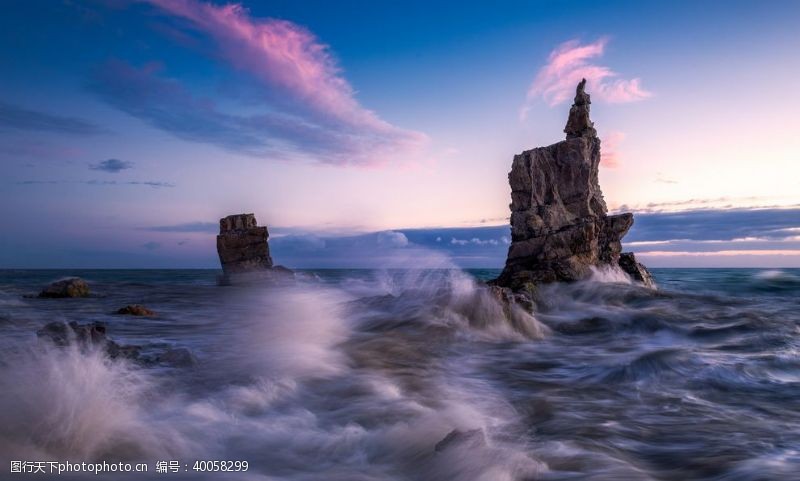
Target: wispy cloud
307	108
112	166
19	118
661	179
210	227
569	63
148	183
724	253
479	242
712	203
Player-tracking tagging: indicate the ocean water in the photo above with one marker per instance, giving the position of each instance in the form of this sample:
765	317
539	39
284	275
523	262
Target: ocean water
361	375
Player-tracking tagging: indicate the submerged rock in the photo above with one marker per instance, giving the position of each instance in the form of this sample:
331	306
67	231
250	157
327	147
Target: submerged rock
560	227
94	335
136	310
457	437
177	357
86	336
70	287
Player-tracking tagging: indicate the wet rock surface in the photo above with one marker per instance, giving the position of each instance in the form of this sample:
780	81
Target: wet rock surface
560	227
94	335
635	269
63	288
86	336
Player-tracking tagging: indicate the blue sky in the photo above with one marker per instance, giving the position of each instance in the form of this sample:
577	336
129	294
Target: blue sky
128	128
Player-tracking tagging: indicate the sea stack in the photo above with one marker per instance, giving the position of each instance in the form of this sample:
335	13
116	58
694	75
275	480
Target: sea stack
242	245
560	228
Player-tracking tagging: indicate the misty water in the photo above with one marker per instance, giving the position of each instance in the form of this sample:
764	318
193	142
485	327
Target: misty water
360	375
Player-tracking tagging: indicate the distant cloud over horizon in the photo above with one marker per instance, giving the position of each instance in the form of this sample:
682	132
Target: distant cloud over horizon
572	61
20	118
149	183
709	233
112	166
186	227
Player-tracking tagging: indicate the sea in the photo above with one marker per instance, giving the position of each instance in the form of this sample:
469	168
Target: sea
418	374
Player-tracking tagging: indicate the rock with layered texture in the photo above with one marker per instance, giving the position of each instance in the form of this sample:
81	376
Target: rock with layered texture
560	228
242	245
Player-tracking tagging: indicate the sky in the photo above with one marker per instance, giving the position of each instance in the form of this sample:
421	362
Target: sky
370	133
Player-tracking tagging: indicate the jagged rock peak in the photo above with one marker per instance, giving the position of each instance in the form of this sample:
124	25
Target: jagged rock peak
579	124
560	227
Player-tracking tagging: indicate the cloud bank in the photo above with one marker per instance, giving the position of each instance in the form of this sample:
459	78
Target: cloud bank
572	61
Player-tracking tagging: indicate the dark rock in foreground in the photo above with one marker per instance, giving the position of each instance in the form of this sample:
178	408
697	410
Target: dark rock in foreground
86	336
71	287
242	245
93	335
136	310
560	228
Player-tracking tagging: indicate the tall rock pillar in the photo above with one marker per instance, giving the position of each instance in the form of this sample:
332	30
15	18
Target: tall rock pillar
560	227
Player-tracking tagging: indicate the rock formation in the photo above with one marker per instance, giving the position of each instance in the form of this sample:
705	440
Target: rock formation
70	287
637	270
242	245
86	336
560	228
94	336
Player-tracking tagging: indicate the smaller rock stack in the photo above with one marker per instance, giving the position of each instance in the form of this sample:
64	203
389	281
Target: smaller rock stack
242	245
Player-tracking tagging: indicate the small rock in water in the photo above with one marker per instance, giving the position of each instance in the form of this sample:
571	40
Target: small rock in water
637	270
71	287
242	245
136	310
243	250
177	357
457	437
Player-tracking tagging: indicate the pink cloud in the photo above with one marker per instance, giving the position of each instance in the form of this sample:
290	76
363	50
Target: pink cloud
609	153
568	64
298	71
